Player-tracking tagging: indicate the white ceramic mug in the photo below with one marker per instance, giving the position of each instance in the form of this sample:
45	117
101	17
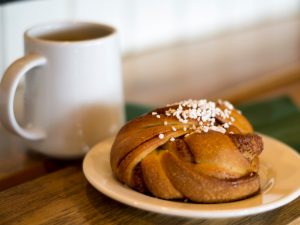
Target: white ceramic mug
73	88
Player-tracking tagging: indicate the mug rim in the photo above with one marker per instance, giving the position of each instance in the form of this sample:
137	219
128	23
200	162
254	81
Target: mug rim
32	33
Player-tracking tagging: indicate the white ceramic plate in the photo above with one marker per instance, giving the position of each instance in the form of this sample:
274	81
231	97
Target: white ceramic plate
280	178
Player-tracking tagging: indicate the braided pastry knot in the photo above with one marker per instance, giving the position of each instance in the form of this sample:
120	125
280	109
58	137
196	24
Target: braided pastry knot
201	151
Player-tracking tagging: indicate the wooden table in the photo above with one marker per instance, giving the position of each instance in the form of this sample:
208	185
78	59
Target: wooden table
35	189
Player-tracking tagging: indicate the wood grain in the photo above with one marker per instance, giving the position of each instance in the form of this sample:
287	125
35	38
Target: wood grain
65	197
237	66
19	164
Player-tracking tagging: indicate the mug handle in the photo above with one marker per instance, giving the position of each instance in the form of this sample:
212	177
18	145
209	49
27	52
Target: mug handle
8	87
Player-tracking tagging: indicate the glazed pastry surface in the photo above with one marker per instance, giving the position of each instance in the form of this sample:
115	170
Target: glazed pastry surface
196	149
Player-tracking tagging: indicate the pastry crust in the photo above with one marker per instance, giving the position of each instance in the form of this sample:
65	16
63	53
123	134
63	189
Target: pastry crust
187	156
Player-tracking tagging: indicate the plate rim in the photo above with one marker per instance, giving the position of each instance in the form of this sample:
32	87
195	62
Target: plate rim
188	213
